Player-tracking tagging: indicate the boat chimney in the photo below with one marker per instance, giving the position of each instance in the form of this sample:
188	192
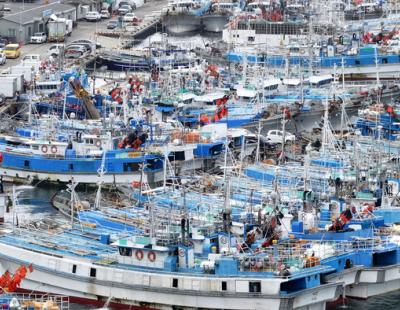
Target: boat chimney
183	228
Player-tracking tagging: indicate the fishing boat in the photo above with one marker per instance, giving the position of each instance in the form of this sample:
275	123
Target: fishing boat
134	264
219	15
368	61
369	9
160	58
120	166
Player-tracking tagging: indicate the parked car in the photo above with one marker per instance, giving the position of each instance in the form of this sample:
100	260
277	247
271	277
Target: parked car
93	16
5	8
55	50
75	51
129	3
93	45
87	46
112	24
12	50
2	58
2	46
105	14
39	37
131	18
31	58
123	9
276	136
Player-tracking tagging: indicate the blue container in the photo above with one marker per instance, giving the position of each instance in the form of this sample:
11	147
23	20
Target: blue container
297	226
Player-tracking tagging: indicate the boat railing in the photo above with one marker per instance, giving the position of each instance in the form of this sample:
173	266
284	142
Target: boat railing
304	254
291	256
107	74
368	83
40	301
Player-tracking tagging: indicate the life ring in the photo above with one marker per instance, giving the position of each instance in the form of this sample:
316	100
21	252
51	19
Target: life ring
151	256
302	52
53	149
1	158
223	240
181	252
98	143
44	148
139	254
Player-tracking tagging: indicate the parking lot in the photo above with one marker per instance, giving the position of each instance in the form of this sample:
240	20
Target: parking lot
87	30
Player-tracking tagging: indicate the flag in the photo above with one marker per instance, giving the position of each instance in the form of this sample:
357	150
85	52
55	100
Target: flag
23	271
5	279
224	112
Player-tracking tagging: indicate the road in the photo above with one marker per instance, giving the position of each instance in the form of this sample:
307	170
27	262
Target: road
87	30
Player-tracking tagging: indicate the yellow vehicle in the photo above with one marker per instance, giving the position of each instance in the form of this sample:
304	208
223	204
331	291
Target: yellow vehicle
12	50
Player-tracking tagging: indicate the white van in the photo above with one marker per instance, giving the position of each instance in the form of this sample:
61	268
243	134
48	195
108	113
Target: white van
93	16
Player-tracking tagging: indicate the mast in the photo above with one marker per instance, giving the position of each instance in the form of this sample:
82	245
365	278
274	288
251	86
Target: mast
325	128
227	213
378	81
257	159
101	172
342	118
71	189
283	137
343	80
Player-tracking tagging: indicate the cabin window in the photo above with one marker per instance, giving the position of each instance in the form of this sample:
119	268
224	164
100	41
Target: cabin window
384	60
175	282
73	268
26	163
357	62
254	287
71	166
177	156
348	264
125	251
93	272
131	167
250	39
237	141
35	147
223	285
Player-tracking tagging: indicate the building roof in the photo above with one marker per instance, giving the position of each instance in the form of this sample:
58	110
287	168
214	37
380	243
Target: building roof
28	15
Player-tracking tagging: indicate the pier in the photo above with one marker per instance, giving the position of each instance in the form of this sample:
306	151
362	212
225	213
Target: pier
133	34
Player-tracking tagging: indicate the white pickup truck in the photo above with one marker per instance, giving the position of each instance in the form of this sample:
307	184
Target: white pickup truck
276	136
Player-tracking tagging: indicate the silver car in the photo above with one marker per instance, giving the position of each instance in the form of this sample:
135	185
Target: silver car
75	51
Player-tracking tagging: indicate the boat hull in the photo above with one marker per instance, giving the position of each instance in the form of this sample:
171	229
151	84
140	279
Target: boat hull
86	178
118	65
375	281
214	22
181	24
